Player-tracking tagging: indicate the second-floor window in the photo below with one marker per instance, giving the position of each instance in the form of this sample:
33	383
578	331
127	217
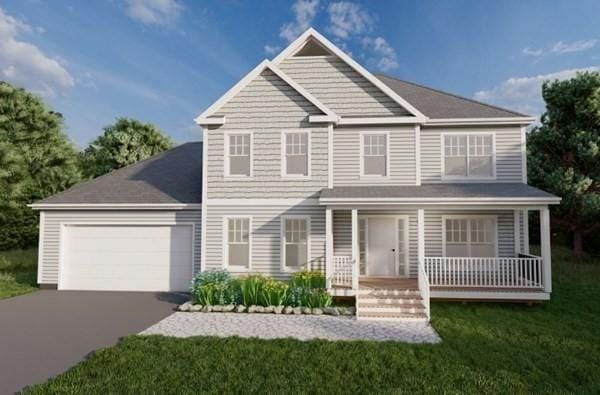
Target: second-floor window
296	154
374	147
238	154
468	156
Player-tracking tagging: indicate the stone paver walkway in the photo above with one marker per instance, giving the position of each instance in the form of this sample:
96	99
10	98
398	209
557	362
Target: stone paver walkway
303	327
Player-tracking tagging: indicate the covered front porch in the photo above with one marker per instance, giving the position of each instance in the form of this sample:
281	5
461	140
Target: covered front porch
467	248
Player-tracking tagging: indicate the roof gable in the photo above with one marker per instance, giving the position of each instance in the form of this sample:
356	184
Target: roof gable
207	117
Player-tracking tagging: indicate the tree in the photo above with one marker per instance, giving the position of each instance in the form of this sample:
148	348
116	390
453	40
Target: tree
36	160
124	143
564	154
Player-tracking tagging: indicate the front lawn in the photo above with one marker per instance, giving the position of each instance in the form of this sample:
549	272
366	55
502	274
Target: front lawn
493	348
18	272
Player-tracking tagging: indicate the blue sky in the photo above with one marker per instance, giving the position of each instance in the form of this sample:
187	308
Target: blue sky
164	61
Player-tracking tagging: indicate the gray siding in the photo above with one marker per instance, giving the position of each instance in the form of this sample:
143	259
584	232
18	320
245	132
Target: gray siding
340	87
266	106
346	157
266	228
48	272
508	152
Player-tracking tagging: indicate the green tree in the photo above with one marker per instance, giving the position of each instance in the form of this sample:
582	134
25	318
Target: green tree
564	154
124	143
36	160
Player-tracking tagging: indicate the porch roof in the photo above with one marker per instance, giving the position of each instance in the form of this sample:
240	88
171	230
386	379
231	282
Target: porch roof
455	194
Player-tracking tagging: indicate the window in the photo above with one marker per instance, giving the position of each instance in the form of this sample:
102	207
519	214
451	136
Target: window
239	154
470	237
238	242
374	155
468	156
295	233
296	154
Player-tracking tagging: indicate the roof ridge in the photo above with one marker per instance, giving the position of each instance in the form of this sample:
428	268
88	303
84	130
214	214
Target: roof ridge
114	171
452	94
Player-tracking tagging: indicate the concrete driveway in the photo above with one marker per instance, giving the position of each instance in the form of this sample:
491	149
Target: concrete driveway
45	333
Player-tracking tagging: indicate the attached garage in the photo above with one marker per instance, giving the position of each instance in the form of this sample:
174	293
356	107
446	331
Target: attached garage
127	257
135	229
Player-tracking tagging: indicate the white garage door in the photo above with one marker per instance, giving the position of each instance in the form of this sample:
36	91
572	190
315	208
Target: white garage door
127	258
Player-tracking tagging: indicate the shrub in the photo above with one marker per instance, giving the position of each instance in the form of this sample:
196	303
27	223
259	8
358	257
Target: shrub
214	288
308	279
274	293
251	288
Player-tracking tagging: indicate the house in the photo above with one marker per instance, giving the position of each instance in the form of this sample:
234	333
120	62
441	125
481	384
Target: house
398	192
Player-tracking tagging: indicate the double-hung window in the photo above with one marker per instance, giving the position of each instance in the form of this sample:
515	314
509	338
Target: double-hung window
468	156
374	157
295	238
238	154
238	242
470	237
296	154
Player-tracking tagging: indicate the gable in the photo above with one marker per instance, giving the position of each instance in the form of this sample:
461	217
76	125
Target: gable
340	87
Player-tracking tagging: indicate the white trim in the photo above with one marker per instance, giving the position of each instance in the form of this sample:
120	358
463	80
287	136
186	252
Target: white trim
379	121
330	178
469	217
211	121
264	202
203	118
282	239
438	201
328	246
417	154
41	243
116	206
545	248
355	249
362	152
283	158
312	33
63	225
204	200
225	244
420	236
480	121
526	231
226	135
396	218
523	155
322	118
467	177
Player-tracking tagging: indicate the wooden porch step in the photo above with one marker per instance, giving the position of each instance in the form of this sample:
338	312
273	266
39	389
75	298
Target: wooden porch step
387	308
389	292
392	316
392	299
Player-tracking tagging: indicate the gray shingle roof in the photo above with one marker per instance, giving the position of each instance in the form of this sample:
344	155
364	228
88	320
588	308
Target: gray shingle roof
438	104
171	177
470	190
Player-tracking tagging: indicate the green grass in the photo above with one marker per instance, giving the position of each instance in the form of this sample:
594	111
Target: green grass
18	272
490	348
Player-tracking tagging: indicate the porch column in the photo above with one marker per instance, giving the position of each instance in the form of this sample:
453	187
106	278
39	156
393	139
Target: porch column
421	235
526	231
546	253
355	248
328	245
517	231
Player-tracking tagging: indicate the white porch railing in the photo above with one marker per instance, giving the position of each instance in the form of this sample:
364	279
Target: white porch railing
424	289
343	271
525	272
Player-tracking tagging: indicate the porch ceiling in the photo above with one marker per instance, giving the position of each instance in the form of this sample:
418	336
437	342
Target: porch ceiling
439	194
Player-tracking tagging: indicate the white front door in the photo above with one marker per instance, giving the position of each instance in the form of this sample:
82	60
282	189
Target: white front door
382	247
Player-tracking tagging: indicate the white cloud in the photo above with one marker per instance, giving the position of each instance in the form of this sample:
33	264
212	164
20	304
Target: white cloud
304	11
348	19
26	65
271	49
383	56
576	46
157	12
524	94
532	52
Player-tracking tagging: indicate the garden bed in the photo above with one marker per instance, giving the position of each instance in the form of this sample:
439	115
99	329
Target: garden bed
305	293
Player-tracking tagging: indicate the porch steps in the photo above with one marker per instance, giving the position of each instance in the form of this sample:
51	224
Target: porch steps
390	305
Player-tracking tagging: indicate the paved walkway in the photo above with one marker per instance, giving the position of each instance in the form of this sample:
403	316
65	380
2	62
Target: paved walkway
45	333
303	327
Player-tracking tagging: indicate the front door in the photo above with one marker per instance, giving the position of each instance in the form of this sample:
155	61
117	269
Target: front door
382	247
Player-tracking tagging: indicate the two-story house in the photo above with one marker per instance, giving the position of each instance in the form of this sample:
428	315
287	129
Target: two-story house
398	192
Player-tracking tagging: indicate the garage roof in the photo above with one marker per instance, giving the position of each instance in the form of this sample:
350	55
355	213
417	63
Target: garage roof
171	177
